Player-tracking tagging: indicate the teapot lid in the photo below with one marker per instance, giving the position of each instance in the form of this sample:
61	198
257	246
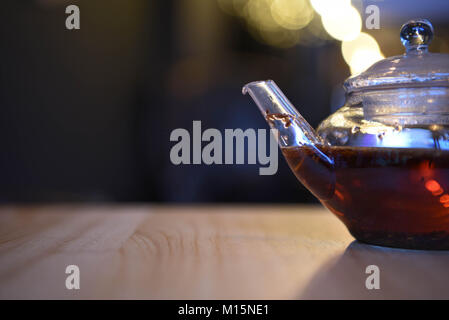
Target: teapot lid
416	68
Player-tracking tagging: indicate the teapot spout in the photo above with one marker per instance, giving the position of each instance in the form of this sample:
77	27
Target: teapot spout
299	143
280	114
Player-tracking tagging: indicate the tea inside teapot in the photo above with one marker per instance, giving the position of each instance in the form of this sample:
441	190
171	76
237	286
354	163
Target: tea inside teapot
395	197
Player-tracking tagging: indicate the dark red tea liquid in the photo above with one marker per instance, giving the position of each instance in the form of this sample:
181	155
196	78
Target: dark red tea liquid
385	196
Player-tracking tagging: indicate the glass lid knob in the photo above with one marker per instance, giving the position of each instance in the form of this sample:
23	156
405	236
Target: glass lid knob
417	35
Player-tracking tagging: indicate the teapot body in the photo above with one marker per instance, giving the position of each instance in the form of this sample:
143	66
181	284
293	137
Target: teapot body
397	197
389	179
381	162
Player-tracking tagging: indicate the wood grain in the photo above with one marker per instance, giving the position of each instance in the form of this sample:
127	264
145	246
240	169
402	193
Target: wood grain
202	252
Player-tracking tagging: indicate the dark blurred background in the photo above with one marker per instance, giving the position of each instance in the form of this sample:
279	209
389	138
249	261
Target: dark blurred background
86	115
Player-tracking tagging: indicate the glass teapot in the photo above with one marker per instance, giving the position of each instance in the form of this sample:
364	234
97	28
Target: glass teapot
381	162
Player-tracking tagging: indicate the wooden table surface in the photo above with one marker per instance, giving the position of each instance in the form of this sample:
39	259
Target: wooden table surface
202	252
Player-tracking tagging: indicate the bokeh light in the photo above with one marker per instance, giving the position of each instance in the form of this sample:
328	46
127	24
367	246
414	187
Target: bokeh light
361	52
362	59
327	6
259	15
364	40
292	14
343	23
278	23
286	23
